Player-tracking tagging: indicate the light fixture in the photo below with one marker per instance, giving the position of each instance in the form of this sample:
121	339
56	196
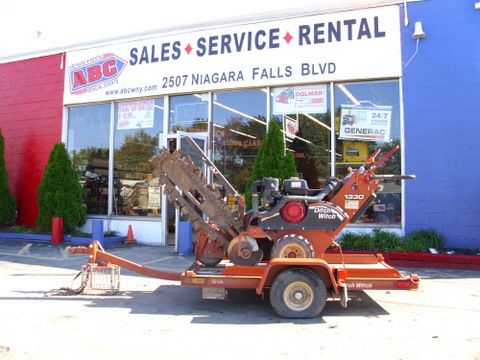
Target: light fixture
477	6
418	33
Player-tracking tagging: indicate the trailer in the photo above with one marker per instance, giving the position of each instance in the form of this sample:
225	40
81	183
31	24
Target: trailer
297	287
282	245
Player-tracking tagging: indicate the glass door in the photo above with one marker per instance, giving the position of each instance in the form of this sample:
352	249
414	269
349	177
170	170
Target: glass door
174	217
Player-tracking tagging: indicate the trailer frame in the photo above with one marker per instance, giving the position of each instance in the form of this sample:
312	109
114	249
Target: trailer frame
339	274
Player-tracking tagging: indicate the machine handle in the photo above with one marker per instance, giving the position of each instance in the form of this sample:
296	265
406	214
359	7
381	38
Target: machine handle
383	158
395	177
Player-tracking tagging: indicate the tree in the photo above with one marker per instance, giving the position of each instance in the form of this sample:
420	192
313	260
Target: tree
271	155
313	160
271	160
60	193
290	167
7	200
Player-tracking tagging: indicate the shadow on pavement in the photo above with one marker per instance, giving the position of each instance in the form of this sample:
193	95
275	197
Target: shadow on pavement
243	307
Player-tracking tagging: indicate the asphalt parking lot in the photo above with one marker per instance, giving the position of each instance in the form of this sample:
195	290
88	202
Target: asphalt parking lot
155	319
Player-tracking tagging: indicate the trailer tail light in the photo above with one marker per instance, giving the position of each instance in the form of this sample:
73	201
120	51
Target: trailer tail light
408	284
342	275
293	211
403	284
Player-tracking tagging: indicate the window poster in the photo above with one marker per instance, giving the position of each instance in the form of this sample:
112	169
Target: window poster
300	99
136	114
290	127
367	123
154	197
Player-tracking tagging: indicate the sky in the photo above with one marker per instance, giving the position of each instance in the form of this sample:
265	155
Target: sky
30	26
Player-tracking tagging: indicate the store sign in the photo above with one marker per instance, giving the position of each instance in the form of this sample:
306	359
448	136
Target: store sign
85	76
331	47
367	123
306	99
135	114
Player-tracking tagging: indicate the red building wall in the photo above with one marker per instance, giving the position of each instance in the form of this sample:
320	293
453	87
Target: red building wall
31	107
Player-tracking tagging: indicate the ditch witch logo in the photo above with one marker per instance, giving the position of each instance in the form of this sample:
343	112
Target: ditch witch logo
95	73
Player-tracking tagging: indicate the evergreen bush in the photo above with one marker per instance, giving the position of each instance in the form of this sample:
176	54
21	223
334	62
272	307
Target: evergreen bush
290	167
422	240
386	240
7	200
356	241
271	160
60	193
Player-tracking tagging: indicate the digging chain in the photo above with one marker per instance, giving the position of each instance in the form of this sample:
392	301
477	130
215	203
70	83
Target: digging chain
177	199
176	171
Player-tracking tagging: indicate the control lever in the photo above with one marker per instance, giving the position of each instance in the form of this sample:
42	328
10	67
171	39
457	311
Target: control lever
395	177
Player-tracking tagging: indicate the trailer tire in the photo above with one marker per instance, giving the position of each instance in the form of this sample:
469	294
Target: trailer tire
210	262
292	246
298	294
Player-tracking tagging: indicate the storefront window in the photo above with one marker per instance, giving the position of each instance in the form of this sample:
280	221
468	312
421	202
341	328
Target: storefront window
138	125
188	113
304	114
88	146
367	117
239	125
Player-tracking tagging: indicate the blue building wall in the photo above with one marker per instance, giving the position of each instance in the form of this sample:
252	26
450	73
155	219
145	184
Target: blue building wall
441	88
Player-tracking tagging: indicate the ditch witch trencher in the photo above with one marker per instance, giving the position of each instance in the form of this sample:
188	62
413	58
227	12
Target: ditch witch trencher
280	245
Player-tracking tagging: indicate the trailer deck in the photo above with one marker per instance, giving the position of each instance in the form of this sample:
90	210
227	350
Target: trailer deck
362	272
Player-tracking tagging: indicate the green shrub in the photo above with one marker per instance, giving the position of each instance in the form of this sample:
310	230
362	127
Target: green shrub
110	233
422	240
60	193
79	233
22	229
377	240
386	240
271	160
7	200
290	167
356	241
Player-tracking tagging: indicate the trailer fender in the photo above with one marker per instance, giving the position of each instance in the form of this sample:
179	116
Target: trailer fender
278	265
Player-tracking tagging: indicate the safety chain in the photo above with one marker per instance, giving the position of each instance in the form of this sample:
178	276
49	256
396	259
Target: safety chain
66	291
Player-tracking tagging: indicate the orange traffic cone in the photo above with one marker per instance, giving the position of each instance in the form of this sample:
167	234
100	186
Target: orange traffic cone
130	240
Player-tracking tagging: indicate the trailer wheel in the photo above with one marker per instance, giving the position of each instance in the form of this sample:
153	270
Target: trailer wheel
298	293
292	246
207	261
